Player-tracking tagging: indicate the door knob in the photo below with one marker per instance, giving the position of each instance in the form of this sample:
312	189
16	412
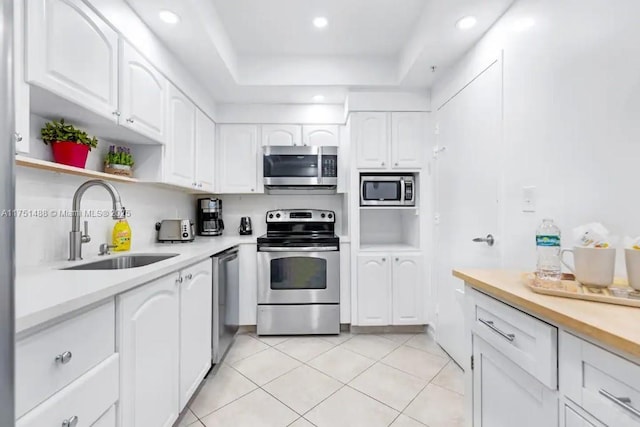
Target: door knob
489	240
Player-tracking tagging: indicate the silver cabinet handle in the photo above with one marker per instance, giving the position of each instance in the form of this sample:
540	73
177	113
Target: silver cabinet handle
384	260
189	276
70	422
130	120
17	136
490	325
64	358
252	189
623	402
382	164
179	280
116	113
396	164
489	240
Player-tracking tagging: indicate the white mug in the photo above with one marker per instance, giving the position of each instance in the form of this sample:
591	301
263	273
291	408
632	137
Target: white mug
632	259
594	267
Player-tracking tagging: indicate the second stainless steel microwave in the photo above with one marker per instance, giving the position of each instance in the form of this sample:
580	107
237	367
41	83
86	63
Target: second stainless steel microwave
387	190
301	167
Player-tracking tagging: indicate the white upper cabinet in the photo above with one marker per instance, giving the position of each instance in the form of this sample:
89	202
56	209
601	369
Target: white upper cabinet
281	135
407	285
180	148
195	327
237	154
204	161
73	53
143	95
321	135
371	133
408	140
374	285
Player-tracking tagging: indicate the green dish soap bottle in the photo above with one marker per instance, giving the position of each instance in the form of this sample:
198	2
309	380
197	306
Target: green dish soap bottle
122	235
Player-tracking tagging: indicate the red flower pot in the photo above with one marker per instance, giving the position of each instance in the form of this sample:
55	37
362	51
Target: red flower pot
70	153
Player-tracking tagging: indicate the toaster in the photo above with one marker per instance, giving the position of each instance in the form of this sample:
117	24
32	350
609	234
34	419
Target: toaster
175	230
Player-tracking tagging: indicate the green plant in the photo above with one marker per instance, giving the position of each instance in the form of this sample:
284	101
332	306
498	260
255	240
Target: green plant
60	131
119	156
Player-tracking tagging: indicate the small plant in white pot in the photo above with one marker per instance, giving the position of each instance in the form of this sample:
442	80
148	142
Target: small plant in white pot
119	161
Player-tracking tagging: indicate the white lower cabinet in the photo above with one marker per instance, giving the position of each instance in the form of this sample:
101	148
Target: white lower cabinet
165	345
571	417
504	393
390	289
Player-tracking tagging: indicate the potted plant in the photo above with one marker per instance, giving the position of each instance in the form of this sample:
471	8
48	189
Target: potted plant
119	161
70	145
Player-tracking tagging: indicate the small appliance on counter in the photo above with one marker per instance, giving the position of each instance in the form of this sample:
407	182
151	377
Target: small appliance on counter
245	226
210	217
175	230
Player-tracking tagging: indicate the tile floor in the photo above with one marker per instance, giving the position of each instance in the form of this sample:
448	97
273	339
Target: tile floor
398	380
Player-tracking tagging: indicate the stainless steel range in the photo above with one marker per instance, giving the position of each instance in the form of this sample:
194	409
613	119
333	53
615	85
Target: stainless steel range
299	274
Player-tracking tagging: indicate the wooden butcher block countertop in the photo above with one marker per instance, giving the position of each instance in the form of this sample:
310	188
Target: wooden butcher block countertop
615	326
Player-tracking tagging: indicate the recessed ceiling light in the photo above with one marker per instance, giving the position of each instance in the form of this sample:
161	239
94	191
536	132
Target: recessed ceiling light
523	24
169	17
466	22
318	98
320	22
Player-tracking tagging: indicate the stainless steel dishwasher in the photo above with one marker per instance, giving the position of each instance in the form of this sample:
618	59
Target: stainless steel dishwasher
226	302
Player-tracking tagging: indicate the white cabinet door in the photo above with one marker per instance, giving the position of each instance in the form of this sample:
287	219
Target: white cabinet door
503	393
374	283
321	135
205	140
571	418
371	135
73	53
408	140
143	95
148	342
237	158
180	148
195	327
21	103
345	282
281	135
407	288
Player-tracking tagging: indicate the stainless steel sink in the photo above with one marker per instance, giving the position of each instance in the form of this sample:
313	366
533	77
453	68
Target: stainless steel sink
122	262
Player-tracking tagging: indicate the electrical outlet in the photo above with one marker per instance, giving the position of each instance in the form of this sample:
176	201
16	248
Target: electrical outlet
529	199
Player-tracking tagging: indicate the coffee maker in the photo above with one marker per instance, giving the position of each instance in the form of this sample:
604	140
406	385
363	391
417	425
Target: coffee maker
210	217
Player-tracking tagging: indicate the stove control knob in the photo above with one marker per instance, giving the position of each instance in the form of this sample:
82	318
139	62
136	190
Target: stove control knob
270	216
277	215
330	216
322	215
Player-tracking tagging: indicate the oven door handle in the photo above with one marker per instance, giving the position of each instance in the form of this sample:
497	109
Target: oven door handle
293	249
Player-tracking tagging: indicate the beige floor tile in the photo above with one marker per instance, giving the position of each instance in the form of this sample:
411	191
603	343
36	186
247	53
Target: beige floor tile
451	377
244	346
404	421
416	362
266	366
303	388
399	338
350	408
301	422
437	407
188	419
224	387
341	364
304	348
388	385
256	409
272	340
337	339
371	346
424	342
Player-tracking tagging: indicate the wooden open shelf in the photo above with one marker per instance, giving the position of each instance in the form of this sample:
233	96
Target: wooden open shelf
69	170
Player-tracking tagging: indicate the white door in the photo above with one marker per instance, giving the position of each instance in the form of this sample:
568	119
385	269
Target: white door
205	140
408	140
504	395
238	158
321	135
148	343
468	181
371	135
407	284
195	327
180	148
73	53
374	290
143	95
281	135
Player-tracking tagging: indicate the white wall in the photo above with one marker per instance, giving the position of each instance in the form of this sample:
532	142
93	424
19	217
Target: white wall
571	116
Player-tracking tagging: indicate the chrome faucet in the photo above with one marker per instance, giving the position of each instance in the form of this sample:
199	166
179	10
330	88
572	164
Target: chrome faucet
77	237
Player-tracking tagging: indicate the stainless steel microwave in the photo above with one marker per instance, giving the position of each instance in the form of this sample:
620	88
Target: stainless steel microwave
387	190
305	168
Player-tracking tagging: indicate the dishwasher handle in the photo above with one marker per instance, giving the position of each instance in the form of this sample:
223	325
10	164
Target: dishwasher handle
227	255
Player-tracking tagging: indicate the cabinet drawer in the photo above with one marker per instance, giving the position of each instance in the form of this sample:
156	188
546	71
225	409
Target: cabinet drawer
603	384
529	342
88	339
89	398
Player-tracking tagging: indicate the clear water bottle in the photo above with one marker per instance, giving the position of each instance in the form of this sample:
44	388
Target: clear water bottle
548	247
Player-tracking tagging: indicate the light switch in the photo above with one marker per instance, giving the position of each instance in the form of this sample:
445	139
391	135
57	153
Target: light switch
528	199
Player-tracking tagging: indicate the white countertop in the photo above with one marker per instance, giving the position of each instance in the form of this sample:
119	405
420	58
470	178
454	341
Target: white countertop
45	292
